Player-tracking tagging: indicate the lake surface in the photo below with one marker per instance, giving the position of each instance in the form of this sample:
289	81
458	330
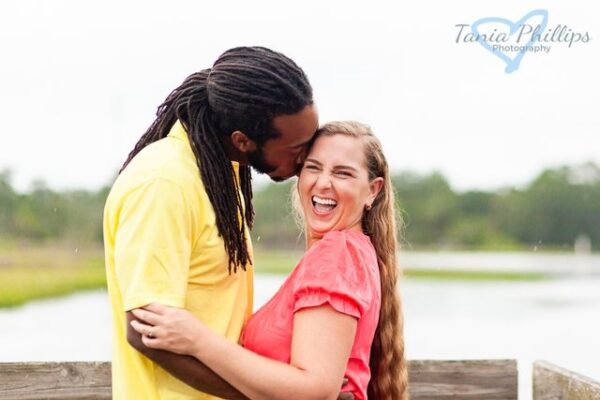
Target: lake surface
556	264
556	320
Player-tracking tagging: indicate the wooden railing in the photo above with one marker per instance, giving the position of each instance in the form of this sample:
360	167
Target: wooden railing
472	379
429	380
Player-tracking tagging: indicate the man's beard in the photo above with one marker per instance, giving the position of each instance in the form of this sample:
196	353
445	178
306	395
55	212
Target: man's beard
256	159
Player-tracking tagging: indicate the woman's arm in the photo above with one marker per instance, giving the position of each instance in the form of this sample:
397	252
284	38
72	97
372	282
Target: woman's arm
321	345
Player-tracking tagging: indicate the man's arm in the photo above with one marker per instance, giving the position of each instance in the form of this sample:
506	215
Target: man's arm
185	368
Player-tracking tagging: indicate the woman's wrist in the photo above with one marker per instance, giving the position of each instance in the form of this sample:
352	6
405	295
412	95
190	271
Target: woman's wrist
204	338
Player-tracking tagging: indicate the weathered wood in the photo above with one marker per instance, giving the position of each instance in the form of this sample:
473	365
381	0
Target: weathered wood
55	380
431	380
469	379
551	382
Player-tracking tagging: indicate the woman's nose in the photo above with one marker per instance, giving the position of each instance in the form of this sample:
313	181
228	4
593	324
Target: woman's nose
323	181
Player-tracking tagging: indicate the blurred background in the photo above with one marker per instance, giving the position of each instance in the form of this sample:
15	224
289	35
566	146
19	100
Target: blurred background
497	175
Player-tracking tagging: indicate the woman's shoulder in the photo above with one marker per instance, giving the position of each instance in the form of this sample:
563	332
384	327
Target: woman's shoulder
341	269
349	248
353	236
347	240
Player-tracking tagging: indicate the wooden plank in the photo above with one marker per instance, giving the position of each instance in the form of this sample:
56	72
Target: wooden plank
55	380
463	379
429	379
551	382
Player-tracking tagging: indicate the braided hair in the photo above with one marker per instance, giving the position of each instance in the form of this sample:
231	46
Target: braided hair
244	90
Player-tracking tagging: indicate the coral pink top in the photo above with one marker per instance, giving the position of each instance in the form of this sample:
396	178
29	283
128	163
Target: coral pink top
340	270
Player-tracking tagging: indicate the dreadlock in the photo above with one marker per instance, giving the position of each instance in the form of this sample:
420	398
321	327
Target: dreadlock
244	90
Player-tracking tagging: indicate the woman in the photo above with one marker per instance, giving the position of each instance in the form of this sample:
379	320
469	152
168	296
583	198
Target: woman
338	313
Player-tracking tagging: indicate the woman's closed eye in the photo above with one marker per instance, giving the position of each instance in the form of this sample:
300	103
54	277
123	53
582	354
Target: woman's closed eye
311	167
343	173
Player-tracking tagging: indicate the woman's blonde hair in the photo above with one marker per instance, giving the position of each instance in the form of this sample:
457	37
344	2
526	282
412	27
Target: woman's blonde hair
389	375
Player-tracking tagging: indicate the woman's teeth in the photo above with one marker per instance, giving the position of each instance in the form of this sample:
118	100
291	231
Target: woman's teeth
323	205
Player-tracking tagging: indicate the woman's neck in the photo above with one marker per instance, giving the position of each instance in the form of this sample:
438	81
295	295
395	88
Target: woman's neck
312	238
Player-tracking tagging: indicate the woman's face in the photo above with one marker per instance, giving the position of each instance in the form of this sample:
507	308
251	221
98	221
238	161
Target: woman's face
334	185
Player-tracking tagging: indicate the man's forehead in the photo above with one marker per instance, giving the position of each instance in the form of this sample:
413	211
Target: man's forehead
297	130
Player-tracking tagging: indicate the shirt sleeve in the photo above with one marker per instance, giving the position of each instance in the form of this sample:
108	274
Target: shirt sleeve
153	245
333	274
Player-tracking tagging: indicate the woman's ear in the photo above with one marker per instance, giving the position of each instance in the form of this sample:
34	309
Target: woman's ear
374	187
242	143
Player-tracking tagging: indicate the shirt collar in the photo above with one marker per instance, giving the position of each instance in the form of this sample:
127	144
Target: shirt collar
178	131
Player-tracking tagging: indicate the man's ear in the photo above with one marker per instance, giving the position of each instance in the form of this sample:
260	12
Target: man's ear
242	143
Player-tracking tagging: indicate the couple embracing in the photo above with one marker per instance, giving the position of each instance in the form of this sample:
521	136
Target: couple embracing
179	258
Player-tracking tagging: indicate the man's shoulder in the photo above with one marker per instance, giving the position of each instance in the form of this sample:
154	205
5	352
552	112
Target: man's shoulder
168	158
162	160
163	171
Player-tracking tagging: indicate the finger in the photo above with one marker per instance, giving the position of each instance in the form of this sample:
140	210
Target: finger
146	316
149	342
156	308
344	382
140	327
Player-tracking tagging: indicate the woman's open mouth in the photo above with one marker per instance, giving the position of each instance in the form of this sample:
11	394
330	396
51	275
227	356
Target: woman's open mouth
322	205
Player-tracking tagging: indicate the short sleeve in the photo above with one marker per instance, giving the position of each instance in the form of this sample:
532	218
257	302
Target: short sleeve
153	245
333	273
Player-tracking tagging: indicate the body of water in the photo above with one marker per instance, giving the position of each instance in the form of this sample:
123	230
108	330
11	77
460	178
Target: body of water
557	320
557	264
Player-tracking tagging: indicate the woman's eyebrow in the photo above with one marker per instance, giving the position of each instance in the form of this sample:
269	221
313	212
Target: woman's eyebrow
312	160
342	166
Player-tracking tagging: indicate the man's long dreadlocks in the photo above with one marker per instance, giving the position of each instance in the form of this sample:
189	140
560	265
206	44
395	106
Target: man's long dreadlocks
244	90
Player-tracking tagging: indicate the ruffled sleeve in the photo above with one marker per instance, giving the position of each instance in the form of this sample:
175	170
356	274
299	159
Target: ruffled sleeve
334	273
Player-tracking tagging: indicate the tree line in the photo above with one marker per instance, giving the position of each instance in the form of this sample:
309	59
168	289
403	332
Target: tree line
551	212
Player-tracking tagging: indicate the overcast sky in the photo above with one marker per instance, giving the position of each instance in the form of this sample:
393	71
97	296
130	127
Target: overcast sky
80	81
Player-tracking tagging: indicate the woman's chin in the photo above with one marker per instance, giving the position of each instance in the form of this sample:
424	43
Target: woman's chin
317	231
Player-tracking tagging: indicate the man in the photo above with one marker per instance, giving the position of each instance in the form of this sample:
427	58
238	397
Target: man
176	220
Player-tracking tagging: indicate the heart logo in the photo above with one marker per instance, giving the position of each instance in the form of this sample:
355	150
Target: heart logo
512	64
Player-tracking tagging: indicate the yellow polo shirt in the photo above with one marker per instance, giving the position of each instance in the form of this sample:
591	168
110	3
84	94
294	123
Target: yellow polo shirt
162	245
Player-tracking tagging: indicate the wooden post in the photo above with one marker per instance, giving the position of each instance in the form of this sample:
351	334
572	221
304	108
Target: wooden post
468	379
551	382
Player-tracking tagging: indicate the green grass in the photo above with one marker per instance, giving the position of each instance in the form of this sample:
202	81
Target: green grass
278	262
29	272
275	262
35	271
472	275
